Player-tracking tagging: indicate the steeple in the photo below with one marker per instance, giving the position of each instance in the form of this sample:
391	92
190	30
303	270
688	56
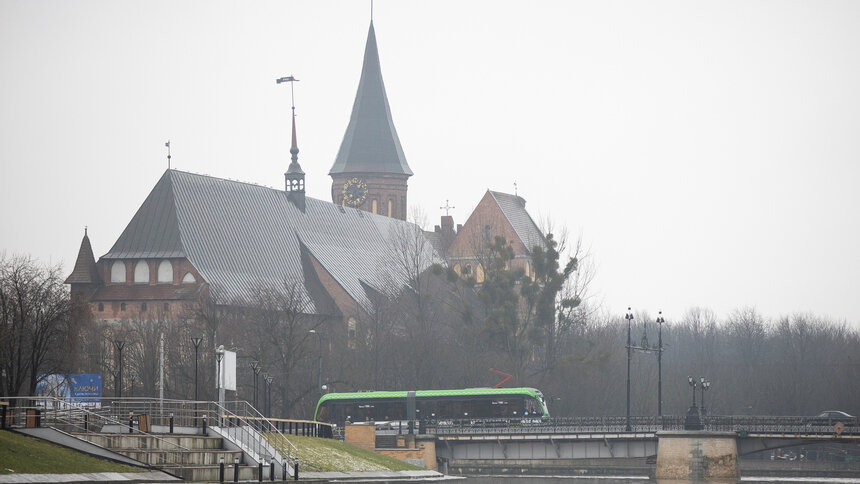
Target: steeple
85	271
294	178
370	144
370	172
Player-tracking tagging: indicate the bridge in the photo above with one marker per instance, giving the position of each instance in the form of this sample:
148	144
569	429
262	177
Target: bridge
550	445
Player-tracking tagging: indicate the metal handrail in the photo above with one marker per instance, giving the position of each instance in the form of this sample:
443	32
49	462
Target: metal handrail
79	418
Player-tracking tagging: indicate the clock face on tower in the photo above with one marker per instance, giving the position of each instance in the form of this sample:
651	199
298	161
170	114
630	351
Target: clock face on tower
354	192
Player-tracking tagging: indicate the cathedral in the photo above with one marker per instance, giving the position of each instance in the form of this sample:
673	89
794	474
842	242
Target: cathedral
197	236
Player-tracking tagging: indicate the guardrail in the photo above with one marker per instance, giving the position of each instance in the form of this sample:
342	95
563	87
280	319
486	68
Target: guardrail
237	421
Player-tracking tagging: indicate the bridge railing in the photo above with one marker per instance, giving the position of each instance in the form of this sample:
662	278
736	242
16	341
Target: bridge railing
780	424
552	425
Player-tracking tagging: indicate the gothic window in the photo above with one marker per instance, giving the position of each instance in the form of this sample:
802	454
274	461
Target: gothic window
166	307
141	272
373	207
390	207
457	269
350	324
188	278
122	306
487	232
101	307
143	307
479	274
165	272
117	272
528	269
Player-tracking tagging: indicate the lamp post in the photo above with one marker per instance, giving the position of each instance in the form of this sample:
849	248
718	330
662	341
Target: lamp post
660	322
255	365
269	379
196	340
692	382
265	394
119	344
705	384
319	369
629	318
219	357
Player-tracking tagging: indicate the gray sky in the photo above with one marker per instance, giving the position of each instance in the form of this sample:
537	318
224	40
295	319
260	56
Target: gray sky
707	152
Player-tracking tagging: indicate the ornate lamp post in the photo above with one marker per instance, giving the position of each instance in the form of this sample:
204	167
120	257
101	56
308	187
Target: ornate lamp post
319	369
255	365
705	384
119	345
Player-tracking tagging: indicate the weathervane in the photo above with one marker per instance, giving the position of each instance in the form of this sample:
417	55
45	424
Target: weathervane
168	153
291	80
447	207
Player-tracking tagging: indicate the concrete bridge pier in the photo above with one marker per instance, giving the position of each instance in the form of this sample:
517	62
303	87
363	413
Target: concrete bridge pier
692	455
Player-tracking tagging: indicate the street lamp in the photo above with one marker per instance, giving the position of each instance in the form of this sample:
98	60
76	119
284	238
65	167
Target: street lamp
319	369
692	382
265	393
255	365
119	344
660	322
629	318
269	379
705	385
196	340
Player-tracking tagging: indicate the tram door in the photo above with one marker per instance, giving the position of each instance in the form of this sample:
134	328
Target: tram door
410	410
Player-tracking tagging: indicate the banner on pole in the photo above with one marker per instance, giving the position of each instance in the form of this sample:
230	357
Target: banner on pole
228	371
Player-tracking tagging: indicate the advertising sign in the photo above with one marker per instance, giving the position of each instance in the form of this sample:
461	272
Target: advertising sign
72	388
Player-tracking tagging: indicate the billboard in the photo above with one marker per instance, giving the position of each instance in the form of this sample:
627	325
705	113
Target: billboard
74	387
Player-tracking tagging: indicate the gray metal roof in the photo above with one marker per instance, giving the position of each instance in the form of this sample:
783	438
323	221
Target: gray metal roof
239	236
370	144
514	208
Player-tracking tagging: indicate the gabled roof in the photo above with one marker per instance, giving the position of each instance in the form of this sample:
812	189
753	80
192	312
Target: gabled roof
239	236
370	144
85	271
514	209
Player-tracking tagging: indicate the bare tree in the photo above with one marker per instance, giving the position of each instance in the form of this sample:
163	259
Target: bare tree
38	323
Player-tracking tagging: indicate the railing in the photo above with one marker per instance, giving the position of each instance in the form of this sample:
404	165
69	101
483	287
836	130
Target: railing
81	419
307	428
237	421
561	425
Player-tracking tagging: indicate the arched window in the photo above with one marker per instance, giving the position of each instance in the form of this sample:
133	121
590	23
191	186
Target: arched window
117	272
528	269
122	306
165	272
479	274
390	207
488	231
188	278
141	272
373	206
351	327
457	269
143	306
101	307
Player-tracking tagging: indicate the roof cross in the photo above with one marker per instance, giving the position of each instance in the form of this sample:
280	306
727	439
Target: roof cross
447	207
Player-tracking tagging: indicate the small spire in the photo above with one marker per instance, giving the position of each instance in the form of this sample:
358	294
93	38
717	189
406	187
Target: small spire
294	150
168	153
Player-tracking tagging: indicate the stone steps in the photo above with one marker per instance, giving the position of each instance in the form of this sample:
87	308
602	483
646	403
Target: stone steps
198	461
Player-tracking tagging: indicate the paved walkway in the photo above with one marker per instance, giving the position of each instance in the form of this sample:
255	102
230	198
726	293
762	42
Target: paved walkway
152	476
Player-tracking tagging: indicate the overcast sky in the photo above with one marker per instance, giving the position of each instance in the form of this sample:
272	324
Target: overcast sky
706	152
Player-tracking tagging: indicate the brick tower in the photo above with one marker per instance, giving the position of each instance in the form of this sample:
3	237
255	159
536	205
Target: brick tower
370	172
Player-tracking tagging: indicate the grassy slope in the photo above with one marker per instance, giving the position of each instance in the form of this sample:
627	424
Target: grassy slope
21	454
322	455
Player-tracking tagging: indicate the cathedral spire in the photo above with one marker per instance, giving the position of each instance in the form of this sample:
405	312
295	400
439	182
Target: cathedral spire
294	178
370	144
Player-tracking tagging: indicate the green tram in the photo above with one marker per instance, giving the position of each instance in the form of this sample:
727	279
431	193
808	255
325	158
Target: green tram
467	403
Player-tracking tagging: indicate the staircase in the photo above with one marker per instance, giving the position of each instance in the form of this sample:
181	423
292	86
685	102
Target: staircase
191	457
